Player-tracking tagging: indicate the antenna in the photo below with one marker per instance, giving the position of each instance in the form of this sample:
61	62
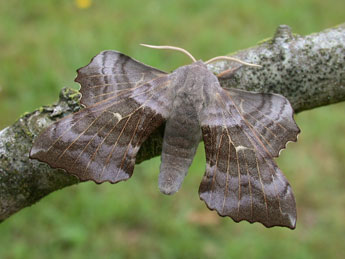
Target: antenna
232	59
172	48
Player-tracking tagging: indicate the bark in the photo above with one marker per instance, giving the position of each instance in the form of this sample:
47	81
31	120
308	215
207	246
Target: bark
308	70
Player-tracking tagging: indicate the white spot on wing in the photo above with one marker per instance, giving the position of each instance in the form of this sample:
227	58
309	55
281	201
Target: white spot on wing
238	148
118	116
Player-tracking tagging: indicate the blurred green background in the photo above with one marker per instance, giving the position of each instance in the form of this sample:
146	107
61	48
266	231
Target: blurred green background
42	43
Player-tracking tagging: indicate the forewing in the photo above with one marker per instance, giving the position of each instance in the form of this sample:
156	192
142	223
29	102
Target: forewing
109	72
242	180
100	142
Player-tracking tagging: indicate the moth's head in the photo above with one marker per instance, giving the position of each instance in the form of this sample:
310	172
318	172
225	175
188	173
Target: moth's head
200	62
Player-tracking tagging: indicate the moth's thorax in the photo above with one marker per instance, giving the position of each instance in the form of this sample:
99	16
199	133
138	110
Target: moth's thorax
193	78
190	86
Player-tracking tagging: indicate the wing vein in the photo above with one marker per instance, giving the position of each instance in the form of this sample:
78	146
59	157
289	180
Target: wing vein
216	165
124	156
239	186
130	115
250	187
263	191
262	186
99	146
114	145
114	74
262	125
101	108
274	122
228	161
130	89
227	174
98	131
268	153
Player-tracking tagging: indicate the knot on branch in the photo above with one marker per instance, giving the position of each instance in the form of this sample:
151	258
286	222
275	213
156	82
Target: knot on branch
283	34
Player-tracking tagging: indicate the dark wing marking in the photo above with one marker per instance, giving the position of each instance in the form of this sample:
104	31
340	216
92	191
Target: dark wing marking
241	179
100	142
109	72
269	115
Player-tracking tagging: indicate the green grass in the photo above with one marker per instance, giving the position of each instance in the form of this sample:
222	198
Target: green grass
42	43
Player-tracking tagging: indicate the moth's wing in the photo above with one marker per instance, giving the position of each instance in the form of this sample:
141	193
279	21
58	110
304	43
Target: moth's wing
269	115
100	142
241	179
109	72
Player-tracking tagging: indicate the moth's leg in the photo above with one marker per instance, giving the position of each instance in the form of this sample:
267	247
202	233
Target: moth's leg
228	73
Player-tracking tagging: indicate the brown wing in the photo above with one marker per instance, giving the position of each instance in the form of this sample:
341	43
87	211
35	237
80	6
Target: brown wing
100	142
270	116
109	72
242	180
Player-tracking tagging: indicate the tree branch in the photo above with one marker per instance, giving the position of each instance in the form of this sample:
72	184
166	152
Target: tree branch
308	70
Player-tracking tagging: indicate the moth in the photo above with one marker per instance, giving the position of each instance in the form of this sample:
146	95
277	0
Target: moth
125	101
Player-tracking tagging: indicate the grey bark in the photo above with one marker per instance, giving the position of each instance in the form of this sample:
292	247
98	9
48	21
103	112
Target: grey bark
308	70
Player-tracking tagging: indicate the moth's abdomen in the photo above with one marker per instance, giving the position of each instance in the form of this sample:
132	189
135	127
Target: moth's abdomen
181	138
